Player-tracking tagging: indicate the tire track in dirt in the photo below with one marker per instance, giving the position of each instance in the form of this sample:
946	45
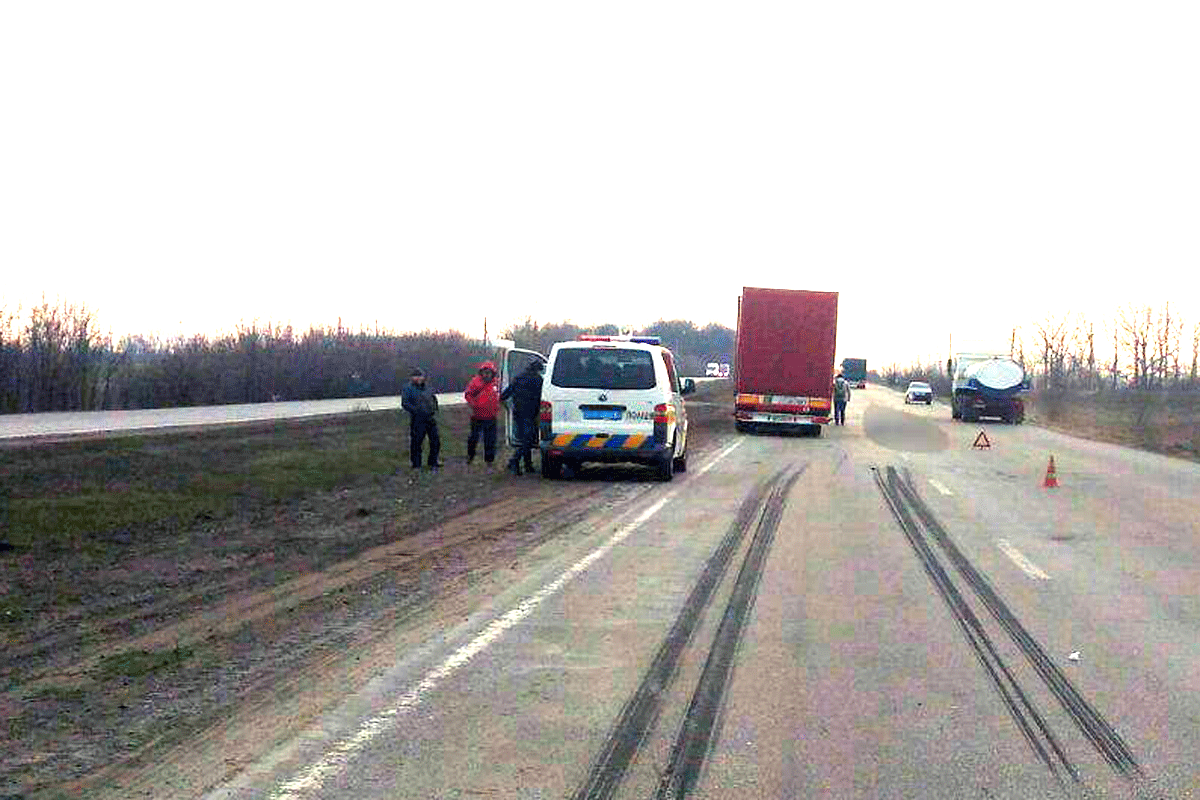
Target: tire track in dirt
315	666
239	611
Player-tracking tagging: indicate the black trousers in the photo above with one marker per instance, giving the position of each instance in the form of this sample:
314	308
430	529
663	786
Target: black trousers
527	431
487	429
839	412
418	429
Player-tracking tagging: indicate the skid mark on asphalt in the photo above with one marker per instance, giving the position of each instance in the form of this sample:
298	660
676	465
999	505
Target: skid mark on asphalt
1018	558
700	725
642	709
923	531
337	757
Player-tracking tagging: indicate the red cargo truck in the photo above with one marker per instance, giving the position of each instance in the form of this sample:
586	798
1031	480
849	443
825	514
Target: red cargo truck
785	344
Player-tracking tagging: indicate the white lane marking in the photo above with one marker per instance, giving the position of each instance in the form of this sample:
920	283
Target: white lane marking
337	757
1018	558
937	485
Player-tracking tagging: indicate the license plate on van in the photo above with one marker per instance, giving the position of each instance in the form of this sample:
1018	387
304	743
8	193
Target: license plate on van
611	413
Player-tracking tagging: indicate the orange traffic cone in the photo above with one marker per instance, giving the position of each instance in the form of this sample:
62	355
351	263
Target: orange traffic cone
1051	481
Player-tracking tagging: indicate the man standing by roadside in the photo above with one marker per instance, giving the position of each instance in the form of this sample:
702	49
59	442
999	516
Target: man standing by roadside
526	394
841	396
483	395
421	404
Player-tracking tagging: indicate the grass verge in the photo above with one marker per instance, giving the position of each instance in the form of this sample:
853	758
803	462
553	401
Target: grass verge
1162	422
136	663
67	493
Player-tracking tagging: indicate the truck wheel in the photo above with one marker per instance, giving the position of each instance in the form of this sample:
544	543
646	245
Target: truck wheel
681	463
816	431
551	467
742	427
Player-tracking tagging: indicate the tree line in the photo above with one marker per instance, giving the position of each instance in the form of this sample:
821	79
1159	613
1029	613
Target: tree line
1140	347
693	346
57	357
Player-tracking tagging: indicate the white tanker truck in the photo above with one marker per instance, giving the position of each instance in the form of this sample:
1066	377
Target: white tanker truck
987	385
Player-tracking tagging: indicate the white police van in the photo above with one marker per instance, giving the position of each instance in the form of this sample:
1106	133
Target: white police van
611	399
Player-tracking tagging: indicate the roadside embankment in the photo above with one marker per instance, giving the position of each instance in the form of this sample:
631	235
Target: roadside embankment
1161	421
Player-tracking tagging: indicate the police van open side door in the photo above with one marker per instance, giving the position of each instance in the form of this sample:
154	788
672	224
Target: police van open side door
513	362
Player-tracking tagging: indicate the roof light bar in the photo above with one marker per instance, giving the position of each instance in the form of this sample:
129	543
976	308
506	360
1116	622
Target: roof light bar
589	337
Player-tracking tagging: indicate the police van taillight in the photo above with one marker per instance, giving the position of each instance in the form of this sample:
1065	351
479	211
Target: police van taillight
545	415
661	417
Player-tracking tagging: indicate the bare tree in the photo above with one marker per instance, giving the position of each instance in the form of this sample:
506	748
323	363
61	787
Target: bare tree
1092	376
1135	325
1052	339
10	360
1175	351
1114	369
1195	354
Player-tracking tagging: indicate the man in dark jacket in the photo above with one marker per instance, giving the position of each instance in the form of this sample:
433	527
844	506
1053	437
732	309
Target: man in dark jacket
483	396
841	396
421	404
526	394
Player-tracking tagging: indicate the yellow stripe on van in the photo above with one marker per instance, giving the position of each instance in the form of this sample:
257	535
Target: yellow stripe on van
563	439
597	441
634	441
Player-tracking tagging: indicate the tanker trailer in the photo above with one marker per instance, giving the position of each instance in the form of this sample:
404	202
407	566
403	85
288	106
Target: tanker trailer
988	385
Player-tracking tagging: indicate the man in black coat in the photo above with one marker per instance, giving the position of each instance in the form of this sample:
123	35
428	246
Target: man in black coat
526	394
421	404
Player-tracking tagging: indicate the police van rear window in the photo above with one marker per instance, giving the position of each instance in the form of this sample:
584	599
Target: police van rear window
595	368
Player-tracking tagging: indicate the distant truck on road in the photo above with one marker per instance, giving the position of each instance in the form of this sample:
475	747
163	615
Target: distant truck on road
854	370
987	385
784	363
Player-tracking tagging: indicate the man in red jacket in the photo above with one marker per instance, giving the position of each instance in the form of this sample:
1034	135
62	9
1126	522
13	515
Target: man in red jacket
483	395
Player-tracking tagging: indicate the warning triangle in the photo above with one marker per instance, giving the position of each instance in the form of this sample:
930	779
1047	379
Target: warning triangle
981	442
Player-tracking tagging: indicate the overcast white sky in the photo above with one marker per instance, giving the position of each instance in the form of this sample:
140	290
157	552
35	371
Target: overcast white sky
945	166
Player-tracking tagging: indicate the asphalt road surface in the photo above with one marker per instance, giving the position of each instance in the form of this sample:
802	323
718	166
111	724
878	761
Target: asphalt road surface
882	612
82	423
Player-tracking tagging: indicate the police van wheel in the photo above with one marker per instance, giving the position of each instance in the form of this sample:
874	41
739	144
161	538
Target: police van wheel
551	467
681	463
665	469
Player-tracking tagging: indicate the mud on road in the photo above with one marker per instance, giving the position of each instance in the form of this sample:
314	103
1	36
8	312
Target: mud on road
156	659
